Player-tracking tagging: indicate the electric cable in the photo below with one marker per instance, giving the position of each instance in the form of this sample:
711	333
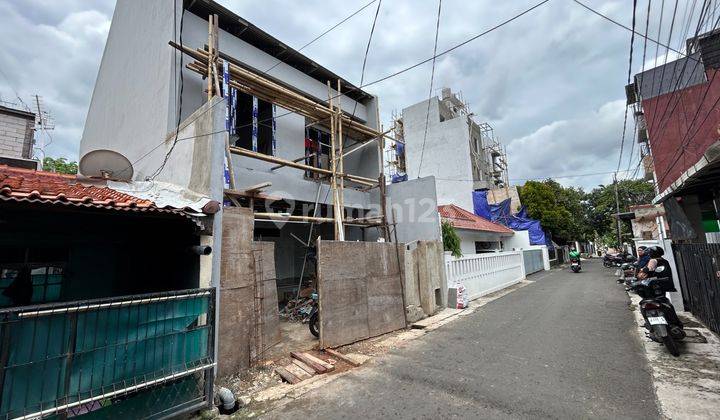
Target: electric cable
632	40
432	79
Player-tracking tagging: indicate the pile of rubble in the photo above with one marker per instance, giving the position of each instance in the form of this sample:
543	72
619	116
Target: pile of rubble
299	309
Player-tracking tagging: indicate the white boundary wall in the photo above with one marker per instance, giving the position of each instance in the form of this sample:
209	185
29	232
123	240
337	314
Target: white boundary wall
481	274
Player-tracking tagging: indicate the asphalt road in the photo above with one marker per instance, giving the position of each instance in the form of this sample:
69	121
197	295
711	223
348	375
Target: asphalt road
562	347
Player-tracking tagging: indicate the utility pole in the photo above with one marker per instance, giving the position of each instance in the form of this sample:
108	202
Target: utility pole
617	210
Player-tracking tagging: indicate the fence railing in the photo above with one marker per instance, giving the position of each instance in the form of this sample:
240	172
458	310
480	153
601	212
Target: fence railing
133	356
699	274
481	274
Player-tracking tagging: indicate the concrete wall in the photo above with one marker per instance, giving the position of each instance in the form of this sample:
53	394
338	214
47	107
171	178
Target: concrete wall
360	289
425	284
16	133
415	204
446	153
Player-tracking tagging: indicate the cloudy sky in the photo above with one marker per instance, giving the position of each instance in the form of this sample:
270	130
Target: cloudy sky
551	83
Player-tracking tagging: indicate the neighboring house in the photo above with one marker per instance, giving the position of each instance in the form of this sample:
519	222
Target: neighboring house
678	118
442	140
17	129
477	235
646	221
104	300
681	144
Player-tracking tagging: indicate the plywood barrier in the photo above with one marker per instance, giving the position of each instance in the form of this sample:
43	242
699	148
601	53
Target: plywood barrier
360	288
248	323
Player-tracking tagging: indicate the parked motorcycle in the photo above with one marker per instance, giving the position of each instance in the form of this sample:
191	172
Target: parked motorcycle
610	260
575	265
661	320
314	323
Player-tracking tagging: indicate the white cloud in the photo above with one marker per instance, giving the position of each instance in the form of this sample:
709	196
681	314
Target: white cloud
551	82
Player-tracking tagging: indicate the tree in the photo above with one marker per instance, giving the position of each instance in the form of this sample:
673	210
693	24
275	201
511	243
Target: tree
601	202
451	240
546	201
60	165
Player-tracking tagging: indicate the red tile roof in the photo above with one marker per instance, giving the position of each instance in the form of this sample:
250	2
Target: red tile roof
26	185
463	219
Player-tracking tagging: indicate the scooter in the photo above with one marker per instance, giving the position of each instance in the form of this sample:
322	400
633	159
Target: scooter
314	322
661	320
575	265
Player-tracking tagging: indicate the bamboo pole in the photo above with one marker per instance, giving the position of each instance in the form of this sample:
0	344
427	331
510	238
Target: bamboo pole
333	171
247	76
272	159
209	58
281	216
341	191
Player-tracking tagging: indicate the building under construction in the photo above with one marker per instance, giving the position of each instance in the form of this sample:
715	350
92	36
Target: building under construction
441	138
191	94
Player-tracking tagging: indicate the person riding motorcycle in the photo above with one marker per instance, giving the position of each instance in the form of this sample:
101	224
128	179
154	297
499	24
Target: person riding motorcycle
574	255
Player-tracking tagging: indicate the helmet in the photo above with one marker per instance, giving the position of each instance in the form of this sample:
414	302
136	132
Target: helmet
655	251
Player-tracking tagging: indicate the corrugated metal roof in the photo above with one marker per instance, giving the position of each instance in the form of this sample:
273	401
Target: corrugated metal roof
463	219
679	74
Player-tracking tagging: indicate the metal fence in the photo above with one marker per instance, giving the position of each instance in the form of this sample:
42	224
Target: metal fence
481	274
699	274
533	260
132	356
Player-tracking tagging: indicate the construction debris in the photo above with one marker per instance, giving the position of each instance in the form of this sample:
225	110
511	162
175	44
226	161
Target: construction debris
298	309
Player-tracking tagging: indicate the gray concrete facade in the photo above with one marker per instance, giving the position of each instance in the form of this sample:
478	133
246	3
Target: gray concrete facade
136	101
442	140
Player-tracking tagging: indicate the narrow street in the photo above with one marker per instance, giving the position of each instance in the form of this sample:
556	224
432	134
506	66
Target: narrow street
562	347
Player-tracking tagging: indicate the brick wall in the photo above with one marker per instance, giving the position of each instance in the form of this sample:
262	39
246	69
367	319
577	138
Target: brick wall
16	135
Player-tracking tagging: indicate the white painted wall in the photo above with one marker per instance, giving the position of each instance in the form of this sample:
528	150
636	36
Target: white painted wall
520	240
446	152
468	238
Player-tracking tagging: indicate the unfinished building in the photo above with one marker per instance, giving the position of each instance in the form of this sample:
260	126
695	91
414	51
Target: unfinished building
442	139
295	153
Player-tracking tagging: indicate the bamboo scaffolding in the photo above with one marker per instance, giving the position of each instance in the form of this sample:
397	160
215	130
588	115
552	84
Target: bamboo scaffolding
329	114
370	182
246	79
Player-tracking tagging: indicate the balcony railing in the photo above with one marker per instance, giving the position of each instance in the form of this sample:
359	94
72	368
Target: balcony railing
134	355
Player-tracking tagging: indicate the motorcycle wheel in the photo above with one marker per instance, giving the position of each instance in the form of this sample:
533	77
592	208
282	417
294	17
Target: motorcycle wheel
314	326
671	345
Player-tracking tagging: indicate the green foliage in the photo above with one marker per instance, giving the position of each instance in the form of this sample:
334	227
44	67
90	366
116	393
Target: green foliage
601	201
548	202
451	240
570	214
60	165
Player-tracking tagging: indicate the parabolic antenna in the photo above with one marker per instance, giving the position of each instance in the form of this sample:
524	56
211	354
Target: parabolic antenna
106	164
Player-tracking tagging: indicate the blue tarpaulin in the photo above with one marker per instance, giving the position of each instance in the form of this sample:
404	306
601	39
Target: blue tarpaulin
500	213
395	178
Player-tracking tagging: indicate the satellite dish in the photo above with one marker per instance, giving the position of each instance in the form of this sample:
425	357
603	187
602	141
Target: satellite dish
106	164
